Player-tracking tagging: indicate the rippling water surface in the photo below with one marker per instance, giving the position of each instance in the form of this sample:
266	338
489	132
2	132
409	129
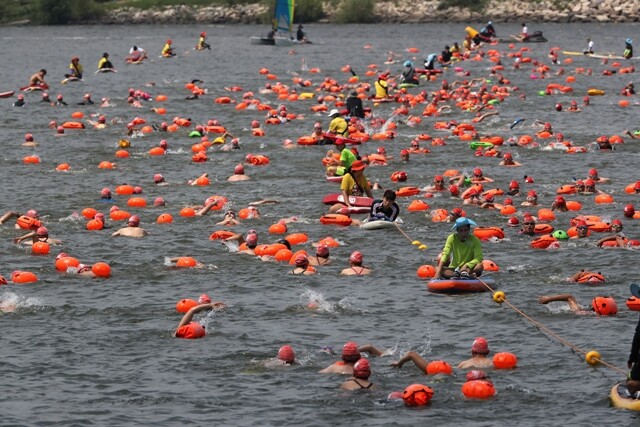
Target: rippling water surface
79	351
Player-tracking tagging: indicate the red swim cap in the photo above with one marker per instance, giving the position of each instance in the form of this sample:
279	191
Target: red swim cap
580	223
614	222
28	137
513	221
381	150
507	156
239	170
480	346
134	221
302	261
508	201
477	172
456	211
560	200
350	352
286	354
362	369
514	185
203	34
158	178
204	299
532	193
62	255
438	178
105	193
356	257
629	211
454	190
476	375
322	251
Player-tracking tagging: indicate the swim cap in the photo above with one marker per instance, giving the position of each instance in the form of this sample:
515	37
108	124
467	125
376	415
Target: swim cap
163	143
508	201
513	221
581	223
454	190
286	354
159	201
629	210
87	96
480	346
302	261
42	232
252	239
3	281
356	257
456	211
362	369
158	178
560	200
616	222
62	255
134	221
381	150
83	268
405	152
105	193
204	299
602	138
99	217
255	124
203	34
593	172
408	63
472	192
235	142
636	186
28	137
574	103
59	98
463	221
507	156
169	41
477	172
382	77
322	251
488	198
438	178
528	179
137	190
532	193
558	107
239	170
476	375
102	119
75	58
32	213
629	41
350	352
604	306
560	235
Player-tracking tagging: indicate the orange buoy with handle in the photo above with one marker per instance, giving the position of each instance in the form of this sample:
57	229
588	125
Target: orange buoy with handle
439	367
185	305
478	389
22	277
335	219
101	269
426	271
417	395
504	360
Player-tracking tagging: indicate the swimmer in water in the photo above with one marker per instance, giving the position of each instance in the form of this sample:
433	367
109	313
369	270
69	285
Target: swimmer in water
133	229
601	305
193	330
350	355
360	378
302	266
479	359
321	257
356	268
40	235
238	174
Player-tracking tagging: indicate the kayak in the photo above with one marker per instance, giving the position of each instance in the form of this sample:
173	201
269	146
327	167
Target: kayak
34	87
377	224
459	285
332	199
427	72
7	94
334	179
619	398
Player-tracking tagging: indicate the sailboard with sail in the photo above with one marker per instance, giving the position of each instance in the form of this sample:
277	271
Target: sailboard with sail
282	26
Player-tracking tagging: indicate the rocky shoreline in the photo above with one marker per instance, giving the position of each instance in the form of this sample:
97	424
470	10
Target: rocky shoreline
392	11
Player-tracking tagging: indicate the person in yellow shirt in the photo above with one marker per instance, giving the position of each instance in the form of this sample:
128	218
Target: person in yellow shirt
202	42
75	69
167	50
104	62
338	125
382	87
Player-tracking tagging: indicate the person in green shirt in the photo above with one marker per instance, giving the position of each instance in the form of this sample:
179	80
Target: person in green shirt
462	253
347	157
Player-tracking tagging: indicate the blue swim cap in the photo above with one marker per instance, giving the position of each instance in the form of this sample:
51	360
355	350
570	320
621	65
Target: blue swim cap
560	235
629	41
462	221
408	63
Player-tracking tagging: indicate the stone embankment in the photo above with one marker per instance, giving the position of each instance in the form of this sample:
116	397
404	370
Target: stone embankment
418	11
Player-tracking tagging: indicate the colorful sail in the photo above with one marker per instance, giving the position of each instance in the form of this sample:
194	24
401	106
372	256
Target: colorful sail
283	18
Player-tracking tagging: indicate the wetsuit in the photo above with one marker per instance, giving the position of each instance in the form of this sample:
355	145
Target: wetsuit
354	105
300	35
378	211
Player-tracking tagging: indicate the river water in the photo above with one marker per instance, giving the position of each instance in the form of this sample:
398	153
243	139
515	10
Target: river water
79	351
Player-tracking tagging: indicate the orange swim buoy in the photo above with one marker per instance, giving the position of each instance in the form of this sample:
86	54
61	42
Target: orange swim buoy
156	151
223	100
137	202
407	191
439	367
185	305
73	125
329	242
101	269
272	250
508	210
62	264
335	219
187	212
417	206
546	214
277	228
40	248
22	277
95	225
297	238
89	213
439	215
543	242
31	160
478	389
566	189
603	199
283	255
119	215
63	167
573	205
221	234
543	229
633	303
504	360
106	165
125	190
489	265
77	115
417	395
186	262
28	223
486	233
122	154
426	271
307	140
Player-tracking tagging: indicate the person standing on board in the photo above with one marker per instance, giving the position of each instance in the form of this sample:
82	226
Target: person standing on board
462	253
589	49
628	49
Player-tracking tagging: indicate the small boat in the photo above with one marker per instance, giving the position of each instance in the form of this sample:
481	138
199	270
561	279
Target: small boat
282	31
536	37
620	398
7	94
459	285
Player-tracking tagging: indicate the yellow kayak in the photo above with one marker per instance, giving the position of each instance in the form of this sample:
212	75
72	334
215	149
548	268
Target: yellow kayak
618	399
